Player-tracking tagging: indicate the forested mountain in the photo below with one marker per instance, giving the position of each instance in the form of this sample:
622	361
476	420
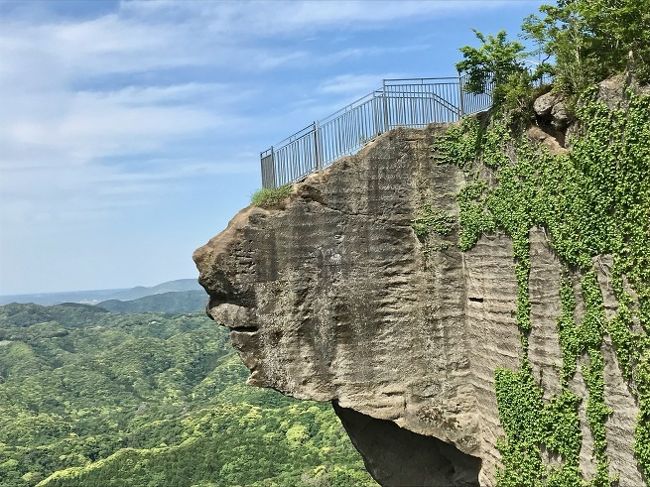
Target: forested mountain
172	302
91	398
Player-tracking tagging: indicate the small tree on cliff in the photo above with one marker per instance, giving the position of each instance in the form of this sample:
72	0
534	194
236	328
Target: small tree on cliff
500	62
593	39
587	40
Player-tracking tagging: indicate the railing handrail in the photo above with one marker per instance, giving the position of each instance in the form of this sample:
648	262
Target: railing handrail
455	78
399	102
350	106
296	135
355	102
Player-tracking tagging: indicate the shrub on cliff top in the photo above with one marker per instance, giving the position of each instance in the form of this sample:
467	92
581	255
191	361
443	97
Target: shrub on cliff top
593	39
496	60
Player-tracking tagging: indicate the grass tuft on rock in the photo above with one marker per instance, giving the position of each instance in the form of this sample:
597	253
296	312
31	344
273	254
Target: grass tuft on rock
271	197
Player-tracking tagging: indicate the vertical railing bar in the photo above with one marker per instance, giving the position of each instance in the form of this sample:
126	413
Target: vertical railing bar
306	153
385	107
338	137
294	151
349	127
317	162
350	133
461	102
278	165
275	180
284	164
413	108
296	157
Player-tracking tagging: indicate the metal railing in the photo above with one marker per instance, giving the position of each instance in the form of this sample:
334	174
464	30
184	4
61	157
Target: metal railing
413	102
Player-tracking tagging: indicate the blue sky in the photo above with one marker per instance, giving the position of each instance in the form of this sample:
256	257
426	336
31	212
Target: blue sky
130	132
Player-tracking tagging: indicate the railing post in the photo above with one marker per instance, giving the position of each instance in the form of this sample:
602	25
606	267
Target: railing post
461	103
385	107
264	182
274	172
317	153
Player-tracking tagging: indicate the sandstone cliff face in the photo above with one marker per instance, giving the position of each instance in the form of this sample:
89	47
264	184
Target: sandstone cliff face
332	297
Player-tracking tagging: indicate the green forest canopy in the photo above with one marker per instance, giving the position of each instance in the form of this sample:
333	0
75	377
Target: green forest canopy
154	400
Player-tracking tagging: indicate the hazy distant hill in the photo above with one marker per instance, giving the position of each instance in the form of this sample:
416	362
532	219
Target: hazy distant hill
172	302
47	299
95	296
179	285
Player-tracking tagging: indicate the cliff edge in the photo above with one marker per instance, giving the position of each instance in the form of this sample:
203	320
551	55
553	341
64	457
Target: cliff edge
361	288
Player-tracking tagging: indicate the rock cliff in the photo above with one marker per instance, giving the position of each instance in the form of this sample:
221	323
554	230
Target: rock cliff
334	296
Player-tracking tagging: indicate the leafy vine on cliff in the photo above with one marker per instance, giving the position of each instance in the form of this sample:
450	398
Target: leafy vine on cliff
592	201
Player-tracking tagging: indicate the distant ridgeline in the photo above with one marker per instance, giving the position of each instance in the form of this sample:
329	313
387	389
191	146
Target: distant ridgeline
173	302
90	398
96	296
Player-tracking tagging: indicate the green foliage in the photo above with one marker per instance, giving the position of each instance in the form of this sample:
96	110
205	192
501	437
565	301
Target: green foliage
593	39
570	339
497	61
271	197
586	40
474	219
529	423
91	398
461	143
15	316
593	201
431	220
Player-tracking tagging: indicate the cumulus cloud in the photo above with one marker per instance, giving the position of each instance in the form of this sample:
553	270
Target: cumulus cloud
79	90
106	112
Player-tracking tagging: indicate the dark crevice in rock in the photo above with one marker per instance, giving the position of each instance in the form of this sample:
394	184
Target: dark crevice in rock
396	457
548	129
243	329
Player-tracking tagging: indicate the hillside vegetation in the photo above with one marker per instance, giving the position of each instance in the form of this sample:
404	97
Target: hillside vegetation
91	398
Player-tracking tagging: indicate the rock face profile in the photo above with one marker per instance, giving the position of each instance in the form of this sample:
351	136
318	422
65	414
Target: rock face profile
331	296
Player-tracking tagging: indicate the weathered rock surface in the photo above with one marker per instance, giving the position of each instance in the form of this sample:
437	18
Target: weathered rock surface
333	298
551	107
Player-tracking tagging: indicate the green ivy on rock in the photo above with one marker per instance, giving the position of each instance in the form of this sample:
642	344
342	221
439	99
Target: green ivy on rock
593	200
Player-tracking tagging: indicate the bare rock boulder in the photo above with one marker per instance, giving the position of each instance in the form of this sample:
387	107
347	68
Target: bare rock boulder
552	109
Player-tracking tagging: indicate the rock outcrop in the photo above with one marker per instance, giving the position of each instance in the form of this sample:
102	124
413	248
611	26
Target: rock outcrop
332	297
551	107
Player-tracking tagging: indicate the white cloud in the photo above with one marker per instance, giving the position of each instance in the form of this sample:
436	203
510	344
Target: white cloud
86	126
358	84
62	116
264	18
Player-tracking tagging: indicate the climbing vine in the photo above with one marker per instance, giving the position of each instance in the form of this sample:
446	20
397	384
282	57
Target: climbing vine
593	200
431	220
